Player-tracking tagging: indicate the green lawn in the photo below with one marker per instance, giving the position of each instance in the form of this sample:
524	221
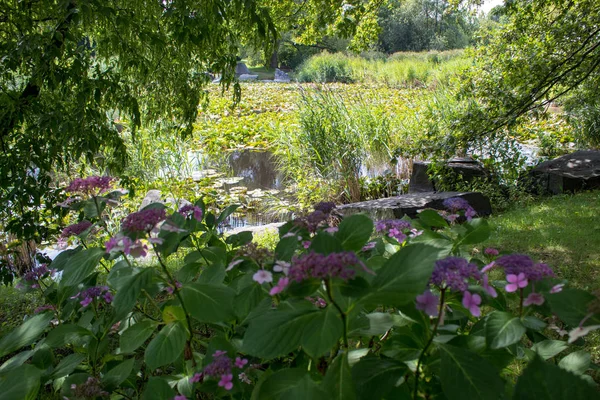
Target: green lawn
562	231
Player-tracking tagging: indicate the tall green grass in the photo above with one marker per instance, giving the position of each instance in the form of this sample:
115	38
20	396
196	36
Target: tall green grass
410	70
336	137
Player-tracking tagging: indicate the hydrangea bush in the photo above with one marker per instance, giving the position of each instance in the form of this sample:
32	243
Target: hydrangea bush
341	309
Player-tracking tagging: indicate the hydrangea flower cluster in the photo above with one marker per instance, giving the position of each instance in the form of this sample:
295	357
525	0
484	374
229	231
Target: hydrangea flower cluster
516	264
520	271
335	265
457	204
76	229
190	209
317	218
318	302
221	368
90	389
395	228
143	221
32	277
95	292
89	185
454	273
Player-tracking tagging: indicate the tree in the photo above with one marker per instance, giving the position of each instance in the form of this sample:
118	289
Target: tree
546	50
417	25
307	22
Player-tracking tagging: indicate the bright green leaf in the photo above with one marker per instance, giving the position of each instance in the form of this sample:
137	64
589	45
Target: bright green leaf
167	346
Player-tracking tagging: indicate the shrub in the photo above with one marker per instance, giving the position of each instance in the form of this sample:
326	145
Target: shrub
326	67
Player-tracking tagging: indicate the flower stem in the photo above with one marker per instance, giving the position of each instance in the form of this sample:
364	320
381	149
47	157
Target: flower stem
178	294
342	314
521	304
422	356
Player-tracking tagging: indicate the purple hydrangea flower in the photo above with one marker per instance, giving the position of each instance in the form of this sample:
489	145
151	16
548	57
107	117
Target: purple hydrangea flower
190	209
92	184
94	292
90	389
456	204
453	273
76	229
221	365
43	308
315	219
143	221
428	302
335	265
37	273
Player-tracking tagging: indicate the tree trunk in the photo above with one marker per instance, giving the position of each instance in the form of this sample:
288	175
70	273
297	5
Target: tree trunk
274	59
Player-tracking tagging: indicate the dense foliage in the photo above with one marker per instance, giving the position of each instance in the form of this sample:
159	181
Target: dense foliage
333	313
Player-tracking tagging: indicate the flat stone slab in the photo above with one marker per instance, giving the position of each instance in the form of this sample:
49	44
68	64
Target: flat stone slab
572	172
410	204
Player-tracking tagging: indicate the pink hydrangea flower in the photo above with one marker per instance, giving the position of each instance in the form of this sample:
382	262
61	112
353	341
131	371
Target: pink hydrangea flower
472	302
306	244
196	378
488	267
262	276
491	252
240	362
516	282
226	381
488	288
280	287
534	298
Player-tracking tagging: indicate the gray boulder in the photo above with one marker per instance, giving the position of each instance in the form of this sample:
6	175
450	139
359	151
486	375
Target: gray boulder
410	204
570	173
152	196
281	76
241	69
